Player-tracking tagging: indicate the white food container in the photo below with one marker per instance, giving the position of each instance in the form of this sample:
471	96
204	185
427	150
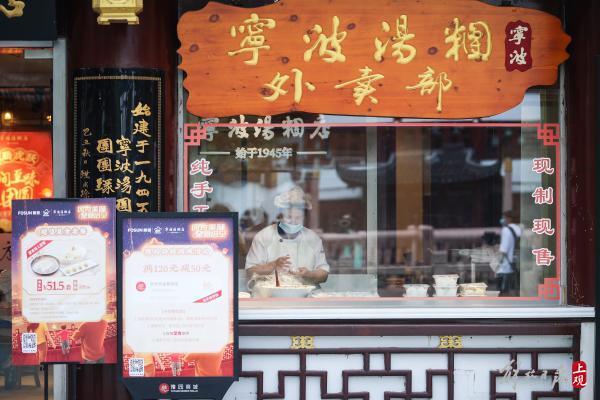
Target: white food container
473	289
446	280
416	290
446	290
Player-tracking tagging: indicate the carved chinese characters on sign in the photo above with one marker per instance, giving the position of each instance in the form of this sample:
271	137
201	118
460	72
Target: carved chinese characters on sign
329	47
363	86
476	42
402	51
430	82
428	59
253	40
276	86
118	139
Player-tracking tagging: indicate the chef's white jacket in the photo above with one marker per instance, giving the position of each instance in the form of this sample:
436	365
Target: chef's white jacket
305	250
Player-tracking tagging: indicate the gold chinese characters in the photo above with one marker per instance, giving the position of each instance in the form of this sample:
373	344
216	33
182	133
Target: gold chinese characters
328	38
330	47
429	82
364	86
255	40
479	40
120	166
276	86
403	52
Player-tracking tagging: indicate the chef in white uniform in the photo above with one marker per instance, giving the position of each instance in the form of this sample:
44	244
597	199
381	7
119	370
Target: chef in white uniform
288	246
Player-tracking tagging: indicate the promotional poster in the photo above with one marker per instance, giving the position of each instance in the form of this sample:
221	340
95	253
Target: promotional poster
64	281
178	301
25	170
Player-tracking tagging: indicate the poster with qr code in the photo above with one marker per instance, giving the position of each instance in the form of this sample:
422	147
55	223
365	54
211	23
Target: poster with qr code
136	367
178	302
64	281
29	343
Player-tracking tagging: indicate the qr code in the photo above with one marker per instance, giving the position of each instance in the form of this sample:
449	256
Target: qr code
136	367
29	343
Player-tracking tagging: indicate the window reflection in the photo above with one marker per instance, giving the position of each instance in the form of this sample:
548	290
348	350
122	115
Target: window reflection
405	211
25	118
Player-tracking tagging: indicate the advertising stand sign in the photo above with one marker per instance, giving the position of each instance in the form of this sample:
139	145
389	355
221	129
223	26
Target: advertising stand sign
178	304
64	281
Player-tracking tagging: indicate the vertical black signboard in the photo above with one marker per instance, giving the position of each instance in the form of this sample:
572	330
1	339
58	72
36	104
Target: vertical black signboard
117	134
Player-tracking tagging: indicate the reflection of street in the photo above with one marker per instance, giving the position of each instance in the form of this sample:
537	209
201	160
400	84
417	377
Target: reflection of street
54	342
22	383
192	364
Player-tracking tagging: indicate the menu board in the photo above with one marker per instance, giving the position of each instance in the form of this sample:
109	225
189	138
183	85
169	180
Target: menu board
64	281
178	303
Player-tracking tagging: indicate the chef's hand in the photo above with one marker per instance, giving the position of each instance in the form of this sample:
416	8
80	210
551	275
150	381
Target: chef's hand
281	263
270	267
318	275
301	272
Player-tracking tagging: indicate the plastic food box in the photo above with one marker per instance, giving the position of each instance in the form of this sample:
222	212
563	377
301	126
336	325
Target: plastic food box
445	290
416	290
473	289
445	280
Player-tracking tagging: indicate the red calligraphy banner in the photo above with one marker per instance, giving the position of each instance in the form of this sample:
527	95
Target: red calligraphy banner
517	44
25	170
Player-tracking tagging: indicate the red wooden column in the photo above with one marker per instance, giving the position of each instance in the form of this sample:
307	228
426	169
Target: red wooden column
582	144
151	44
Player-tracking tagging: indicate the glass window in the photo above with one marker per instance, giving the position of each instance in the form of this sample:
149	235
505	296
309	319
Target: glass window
412	212
394	211
25	172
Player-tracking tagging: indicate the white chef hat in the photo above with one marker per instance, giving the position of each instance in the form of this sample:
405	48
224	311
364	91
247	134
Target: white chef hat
293	198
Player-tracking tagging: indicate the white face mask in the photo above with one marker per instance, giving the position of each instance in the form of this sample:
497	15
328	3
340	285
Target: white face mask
290	229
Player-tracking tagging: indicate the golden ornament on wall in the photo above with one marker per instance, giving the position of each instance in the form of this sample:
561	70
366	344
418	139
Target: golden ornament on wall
118	11
450	342
302	342
14	9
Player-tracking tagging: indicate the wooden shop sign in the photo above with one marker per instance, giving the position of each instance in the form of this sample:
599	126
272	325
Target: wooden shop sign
410	58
